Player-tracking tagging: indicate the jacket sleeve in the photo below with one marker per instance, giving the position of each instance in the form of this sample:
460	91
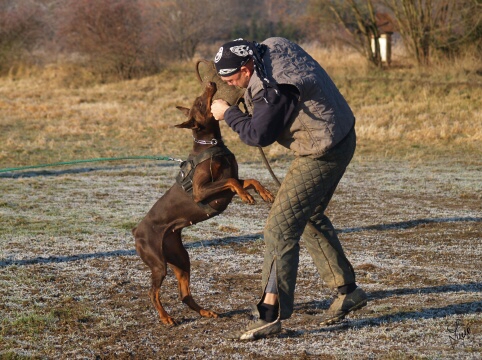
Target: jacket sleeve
269	118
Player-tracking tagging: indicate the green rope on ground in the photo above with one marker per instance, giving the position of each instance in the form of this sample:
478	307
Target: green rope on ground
88	160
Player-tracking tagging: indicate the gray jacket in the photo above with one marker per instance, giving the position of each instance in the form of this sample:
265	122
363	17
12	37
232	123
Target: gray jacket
323	117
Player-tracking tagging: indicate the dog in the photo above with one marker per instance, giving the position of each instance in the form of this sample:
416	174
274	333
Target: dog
204	187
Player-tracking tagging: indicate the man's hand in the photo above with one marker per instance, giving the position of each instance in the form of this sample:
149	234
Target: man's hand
218	108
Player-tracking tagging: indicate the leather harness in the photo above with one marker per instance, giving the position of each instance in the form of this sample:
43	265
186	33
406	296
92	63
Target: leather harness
186	174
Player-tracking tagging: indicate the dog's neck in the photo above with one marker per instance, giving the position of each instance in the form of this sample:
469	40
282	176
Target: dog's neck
202	143
206	138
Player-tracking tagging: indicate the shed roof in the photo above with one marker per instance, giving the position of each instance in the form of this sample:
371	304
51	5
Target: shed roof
385	23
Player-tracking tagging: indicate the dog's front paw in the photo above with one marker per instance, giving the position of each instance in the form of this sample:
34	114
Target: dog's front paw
266	195
247	198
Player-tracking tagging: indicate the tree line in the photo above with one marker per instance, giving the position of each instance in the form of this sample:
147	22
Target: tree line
131	38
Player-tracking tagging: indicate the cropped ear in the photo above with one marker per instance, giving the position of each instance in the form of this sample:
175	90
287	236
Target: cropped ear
184	110
190	124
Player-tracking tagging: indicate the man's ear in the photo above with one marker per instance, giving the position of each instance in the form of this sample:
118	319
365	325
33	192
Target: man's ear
184	110
248	69
245	70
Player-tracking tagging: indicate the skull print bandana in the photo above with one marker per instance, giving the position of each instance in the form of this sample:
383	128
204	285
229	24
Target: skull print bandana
235	54
232	56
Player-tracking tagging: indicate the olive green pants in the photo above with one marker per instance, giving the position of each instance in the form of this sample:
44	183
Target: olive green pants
299	211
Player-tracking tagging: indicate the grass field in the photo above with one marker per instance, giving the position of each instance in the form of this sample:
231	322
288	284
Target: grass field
408	213
407	113
72	286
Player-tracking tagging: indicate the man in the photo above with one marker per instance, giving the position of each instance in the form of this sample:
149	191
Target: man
291	100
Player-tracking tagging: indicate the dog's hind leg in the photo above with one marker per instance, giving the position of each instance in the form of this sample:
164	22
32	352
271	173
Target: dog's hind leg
150	252
185	293
158	275
179	262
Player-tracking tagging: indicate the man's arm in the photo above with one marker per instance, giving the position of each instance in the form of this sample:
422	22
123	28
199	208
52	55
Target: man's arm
268	120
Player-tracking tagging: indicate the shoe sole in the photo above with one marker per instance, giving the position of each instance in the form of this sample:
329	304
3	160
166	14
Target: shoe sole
250	336
337	318
255	334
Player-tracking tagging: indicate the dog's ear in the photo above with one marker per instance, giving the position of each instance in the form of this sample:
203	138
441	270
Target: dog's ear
184	110
190	124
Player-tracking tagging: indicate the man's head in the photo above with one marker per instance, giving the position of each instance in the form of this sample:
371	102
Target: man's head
234	62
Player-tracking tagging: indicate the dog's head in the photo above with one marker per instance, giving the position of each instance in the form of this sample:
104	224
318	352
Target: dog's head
199	115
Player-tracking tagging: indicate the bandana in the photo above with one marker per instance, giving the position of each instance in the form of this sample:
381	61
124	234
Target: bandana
232	56
235	54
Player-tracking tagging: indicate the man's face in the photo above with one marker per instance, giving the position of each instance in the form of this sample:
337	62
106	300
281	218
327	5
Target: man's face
240	79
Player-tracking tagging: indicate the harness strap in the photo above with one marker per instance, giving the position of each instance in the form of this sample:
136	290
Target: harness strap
186	174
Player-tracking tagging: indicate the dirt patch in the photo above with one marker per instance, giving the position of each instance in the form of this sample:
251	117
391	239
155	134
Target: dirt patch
72	286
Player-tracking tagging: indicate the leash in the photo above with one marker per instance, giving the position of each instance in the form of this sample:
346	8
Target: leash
268	166
12	169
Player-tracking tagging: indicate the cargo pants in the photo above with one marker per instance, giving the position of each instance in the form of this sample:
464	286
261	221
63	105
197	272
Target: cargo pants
299	211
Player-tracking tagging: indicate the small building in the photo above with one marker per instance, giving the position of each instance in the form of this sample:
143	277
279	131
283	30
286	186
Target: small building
386	27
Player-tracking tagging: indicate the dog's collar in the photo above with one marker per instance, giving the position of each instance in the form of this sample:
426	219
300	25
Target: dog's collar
204	142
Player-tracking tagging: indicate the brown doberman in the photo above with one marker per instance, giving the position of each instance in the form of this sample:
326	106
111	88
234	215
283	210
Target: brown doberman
204	188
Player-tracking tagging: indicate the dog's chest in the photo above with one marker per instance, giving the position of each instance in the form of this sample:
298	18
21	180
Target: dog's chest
188	167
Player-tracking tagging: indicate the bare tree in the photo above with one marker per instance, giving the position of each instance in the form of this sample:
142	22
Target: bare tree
185	24
358	20
428	25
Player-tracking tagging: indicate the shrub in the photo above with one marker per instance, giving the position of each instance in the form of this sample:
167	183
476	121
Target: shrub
110	33
20	29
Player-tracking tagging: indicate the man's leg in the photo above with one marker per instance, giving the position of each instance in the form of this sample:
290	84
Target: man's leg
307	183
268	308
335	269
304	187
292	207
324	246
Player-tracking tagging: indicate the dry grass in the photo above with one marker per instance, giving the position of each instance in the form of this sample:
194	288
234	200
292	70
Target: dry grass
408	112
58	115
45	122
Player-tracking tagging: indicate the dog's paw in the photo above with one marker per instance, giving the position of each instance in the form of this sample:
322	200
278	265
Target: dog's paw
208	313
247	198
267	196
169	321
